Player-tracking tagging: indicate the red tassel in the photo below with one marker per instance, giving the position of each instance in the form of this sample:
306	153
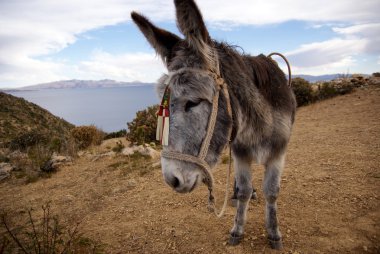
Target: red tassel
163	114
165	130
160	124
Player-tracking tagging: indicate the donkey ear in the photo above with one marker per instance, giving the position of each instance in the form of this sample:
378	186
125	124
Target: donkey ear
190	21
161	40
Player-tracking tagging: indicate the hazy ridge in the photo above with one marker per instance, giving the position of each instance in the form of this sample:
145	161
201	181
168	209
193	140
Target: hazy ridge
75	83
108	83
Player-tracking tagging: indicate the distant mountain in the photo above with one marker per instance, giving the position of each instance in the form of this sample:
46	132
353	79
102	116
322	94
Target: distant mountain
320	78
74	83
19	117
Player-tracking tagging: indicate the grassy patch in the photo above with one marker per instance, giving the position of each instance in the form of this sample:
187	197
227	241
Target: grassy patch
135	162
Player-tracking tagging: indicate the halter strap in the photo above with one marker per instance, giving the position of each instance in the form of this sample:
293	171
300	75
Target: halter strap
200	159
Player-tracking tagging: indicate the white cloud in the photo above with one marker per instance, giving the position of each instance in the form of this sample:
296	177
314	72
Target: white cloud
34	28
128	67
338	54
370	32
322	53
268	12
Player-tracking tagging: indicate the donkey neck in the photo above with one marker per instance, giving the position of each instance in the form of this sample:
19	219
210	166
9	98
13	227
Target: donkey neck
250	108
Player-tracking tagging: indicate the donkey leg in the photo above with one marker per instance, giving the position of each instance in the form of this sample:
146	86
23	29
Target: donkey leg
271	188
234	199
243	178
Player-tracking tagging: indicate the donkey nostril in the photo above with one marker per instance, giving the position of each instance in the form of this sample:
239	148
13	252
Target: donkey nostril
175	182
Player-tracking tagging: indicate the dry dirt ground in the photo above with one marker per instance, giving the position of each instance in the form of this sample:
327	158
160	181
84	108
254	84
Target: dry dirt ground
329	201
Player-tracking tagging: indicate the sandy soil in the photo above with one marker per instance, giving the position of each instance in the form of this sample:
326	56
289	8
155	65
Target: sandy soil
329	201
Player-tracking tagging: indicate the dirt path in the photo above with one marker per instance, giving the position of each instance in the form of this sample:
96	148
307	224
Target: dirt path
329	202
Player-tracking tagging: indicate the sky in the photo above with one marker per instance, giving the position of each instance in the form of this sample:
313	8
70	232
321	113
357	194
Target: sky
49	40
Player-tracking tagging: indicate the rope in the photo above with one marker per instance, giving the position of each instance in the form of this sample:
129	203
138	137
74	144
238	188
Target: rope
211	126
287	63
212	206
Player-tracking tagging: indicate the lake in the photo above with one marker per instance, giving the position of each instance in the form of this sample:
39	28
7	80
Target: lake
107	108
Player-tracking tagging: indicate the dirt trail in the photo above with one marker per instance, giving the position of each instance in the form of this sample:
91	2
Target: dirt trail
329	201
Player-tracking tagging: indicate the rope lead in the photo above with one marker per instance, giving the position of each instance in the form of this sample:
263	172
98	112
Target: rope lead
287	63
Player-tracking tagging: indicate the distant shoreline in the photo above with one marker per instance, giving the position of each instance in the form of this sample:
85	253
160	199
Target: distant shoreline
15	90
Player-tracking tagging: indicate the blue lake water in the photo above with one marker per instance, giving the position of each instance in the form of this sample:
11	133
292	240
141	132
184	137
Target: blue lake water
107	108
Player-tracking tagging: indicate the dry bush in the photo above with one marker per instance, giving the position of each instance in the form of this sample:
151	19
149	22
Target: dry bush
46	236
85	136
376	74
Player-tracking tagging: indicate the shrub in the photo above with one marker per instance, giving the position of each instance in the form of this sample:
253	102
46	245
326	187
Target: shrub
46	236
27	140
85	136
303	91
118	147
327	91
344	87
376	74
116	134
143	128
3	158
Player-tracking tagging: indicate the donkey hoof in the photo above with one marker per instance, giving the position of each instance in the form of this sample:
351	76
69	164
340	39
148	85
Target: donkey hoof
275	244
235	239
233	202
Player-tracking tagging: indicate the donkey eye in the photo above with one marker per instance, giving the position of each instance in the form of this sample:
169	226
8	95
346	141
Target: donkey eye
191	104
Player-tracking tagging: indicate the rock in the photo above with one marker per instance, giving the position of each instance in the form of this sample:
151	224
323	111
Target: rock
5	170
144	150
61	159
156	164
128	151
102	155
149	151
56	161
17	155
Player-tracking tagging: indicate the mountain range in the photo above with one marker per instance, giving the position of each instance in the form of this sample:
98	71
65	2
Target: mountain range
75	83
107	83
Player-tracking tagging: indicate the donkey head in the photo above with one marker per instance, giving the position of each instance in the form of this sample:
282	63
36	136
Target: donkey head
191	93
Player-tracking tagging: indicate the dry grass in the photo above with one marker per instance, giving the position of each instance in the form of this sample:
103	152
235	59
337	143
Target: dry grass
329	202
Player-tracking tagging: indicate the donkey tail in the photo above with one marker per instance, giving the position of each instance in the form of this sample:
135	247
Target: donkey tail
287	63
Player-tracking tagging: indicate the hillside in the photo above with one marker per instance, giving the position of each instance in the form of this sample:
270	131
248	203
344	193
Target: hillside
18	116
329	201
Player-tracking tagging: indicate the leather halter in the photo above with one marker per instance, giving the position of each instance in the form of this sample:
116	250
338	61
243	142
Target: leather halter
200	159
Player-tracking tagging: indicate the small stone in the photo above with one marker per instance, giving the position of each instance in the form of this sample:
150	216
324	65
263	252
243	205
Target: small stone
365	248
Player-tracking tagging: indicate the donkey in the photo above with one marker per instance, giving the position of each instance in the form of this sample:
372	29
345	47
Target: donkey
254	113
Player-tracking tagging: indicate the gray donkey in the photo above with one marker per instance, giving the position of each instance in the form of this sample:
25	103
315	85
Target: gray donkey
258	127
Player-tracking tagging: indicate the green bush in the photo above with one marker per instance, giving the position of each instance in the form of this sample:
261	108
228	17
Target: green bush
143	128
327	91
118	147
85	136
344	88
116	134
27	140
303	92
